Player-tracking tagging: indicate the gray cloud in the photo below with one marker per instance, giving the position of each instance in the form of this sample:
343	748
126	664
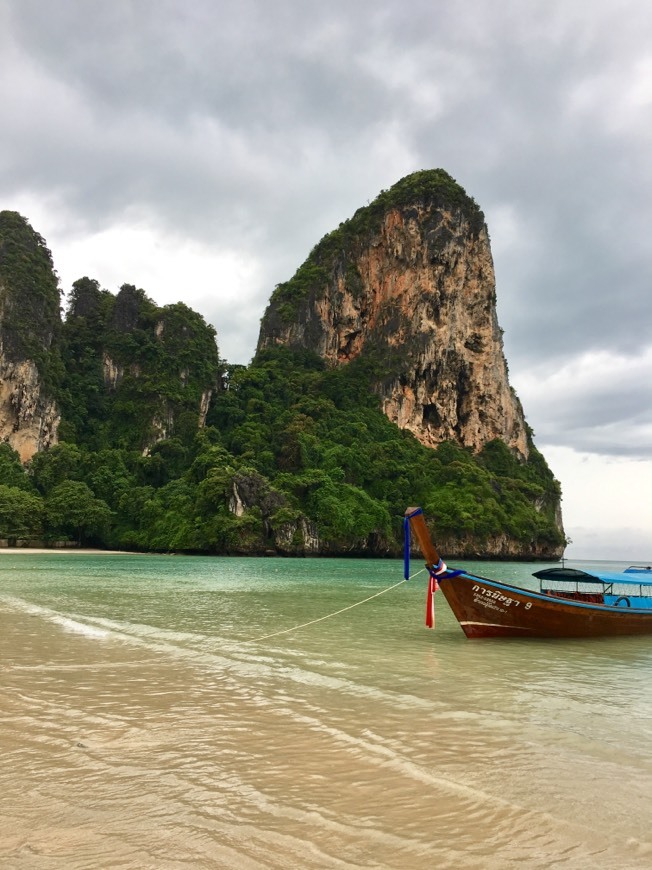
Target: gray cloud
257	127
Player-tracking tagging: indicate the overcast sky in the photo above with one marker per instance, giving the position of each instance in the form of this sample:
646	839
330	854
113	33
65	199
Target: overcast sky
200	148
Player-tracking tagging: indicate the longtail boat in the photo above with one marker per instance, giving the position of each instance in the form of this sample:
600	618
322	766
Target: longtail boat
569	602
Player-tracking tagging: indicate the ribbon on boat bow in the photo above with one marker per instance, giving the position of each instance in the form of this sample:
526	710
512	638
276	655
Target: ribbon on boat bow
434	571
433	586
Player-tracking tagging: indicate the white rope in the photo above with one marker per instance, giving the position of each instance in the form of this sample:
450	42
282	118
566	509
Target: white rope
337	612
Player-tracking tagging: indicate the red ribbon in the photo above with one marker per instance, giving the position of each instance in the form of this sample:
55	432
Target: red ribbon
433	586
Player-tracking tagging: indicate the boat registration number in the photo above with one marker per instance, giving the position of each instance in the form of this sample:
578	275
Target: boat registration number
485	596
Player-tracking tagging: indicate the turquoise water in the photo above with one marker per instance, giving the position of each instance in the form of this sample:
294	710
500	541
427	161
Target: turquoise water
164	712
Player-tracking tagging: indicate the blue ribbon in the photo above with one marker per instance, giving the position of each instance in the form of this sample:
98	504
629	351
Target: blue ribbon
407	542
406	548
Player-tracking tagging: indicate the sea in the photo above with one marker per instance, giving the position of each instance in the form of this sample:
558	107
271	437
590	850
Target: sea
163	711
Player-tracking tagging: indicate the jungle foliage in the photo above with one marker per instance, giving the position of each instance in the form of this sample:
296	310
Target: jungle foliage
29	299
296	442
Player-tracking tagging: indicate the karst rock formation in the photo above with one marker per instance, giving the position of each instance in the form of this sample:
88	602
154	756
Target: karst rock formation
409	282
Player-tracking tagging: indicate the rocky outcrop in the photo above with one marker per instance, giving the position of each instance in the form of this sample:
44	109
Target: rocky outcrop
409	283
28	419
297	537
204	405
498	547
456	387
284	531
113	373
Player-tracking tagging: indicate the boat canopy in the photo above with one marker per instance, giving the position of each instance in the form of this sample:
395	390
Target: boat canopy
639	576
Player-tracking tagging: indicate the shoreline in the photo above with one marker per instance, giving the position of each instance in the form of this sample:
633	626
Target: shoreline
63	551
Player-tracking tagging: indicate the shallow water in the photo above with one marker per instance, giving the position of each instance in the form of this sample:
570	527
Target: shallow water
149	720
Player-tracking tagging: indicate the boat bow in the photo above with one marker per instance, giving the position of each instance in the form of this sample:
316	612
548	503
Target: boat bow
590	605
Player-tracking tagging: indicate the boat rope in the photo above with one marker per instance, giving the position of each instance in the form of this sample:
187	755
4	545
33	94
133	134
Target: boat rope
336	612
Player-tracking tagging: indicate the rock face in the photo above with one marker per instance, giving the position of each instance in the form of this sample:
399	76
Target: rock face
28	419
30	319
409	283
294	535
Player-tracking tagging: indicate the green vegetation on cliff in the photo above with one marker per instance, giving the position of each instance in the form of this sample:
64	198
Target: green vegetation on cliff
288	446
136	373
29	299
321	439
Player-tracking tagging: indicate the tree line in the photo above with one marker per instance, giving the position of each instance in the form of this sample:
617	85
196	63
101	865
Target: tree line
292	441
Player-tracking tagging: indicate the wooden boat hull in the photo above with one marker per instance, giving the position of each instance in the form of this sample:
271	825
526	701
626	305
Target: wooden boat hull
487	608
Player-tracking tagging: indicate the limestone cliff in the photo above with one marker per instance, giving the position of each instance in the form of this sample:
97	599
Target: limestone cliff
28	418
409	284
30	365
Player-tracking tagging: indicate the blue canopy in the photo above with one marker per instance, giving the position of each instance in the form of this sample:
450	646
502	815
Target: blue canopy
635	575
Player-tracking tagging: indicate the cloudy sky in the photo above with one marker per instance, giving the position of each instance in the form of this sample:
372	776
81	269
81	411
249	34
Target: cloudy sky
200	148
